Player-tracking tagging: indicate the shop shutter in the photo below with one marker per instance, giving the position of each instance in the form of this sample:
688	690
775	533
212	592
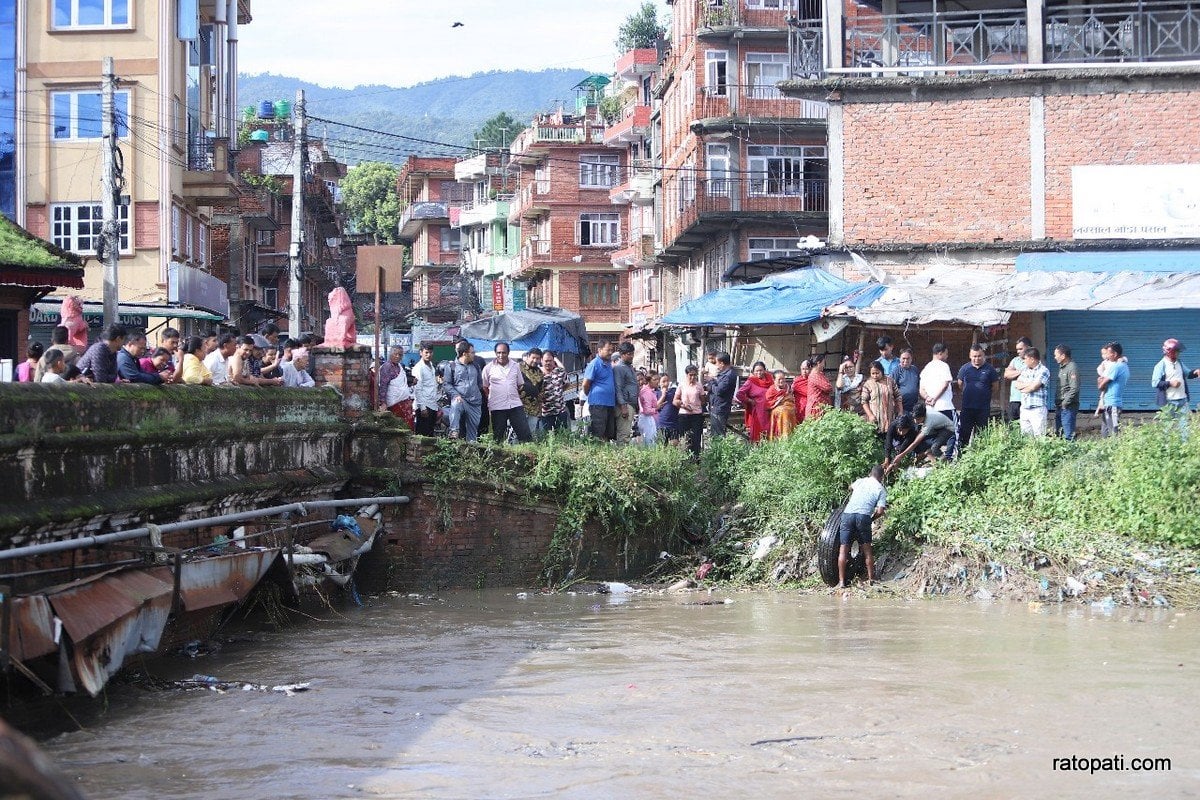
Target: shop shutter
1141	334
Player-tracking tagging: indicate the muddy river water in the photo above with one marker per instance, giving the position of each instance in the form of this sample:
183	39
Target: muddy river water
489	695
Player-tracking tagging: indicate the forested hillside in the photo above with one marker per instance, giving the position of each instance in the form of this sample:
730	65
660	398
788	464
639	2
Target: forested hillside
445	110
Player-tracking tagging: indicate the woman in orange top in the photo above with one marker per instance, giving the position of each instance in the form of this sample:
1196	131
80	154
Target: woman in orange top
752	394
800	391
820	390
783	408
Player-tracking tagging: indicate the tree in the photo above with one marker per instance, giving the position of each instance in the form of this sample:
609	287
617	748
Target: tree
498	132
640	29
369	198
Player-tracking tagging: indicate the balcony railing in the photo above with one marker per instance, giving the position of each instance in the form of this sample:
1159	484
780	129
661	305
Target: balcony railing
686	202
1101	33
758	100
746	13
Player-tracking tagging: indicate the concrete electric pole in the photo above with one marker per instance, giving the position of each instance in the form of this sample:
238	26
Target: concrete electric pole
296	261
109	249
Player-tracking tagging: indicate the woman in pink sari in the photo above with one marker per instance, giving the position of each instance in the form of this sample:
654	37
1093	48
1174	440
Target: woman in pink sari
820	390
752	394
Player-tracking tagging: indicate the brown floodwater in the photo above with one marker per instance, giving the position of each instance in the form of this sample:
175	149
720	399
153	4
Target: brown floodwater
489	695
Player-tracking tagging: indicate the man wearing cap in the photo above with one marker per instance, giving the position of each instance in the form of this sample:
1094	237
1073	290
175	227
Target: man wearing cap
1170	379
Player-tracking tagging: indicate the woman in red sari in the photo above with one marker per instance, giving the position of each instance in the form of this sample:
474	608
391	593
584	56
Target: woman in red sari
820	390
752	394
800	391
783	408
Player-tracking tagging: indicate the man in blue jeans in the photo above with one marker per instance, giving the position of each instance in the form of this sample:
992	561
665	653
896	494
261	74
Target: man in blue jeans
868	499
1066	392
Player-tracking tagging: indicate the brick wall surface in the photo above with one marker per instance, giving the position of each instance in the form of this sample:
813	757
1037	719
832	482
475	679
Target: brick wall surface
924	172
1113	129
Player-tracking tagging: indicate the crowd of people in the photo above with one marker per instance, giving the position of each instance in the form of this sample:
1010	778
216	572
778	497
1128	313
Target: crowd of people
920	413
120	355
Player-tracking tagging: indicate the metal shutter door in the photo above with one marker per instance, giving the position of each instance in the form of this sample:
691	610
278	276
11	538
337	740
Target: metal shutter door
1141	334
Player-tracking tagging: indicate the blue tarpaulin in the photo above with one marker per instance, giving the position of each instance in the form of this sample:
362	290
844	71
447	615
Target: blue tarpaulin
789	298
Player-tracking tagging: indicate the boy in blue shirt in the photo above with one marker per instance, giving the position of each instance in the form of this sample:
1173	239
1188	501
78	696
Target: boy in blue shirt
1113	375
868	499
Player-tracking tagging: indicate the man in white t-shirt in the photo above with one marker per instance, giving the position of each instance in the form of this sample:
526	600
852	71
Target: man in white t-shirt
216	361
937	387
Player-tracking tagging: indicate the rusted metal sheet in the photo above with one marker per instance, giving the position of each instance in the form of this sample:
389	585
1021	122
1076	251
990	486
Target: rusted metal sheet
337	545
107	618
222	580
32	628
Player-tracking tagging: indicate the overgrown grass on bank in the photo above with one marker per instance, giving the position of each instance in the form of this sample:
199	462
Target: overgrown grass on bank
1009	498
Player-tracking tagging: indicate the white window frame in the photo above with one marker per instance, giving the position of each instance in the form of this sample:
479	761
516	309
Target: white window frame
782	5
764	247
71	129
598	170
264	237
66	231
778	170
760	86
716	72
716	169
597	229
687	85
176	230
72	9
202	248
189	240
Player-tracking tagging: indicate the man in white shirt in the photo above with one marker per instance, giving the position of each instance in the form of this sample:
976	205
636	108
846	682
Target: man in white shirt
217	360
295	372
426	392
937	387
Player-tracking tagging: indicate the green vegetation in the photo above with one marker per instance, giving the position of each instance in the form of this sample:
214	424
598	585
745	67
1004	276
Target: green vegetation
498	132
370	199
18	248
446	110
1058	498
640	29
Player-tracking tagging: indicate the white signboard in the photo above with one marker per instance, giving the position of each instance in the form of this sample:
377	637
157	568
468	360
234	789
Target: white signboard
1136	202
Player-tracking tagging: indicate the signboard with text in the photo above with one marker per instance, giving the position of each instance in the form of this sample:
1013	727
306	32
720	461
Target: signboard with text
1136	202
497	295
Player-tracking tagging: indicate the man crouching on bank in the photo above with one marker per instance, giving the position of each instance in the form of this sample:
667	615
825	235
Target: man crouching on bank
868	499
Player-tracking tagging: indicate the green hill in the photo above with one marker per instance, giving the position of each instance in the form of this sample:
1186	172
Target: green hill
447	111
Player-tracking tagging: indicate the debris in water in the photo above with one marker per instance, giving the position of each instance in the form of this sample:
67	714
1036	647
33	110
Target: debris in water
983	594
681	585
615	587
221	687
1075	587
522	595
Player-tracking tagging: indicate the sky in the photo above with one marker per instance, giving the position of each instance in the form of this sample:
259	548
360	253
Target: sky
348	43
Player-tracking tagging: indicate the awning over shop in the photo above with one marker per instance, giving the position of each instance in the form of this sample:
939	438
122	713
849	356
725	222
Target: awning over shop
790	298
52	306
978	298
1111	261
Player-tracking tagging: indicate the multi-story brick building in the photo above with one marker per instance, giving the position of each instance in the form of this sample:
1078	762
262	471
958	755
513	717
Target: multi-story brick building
744	167
489	241
175	98
1019	135
254	234
429	194
568	225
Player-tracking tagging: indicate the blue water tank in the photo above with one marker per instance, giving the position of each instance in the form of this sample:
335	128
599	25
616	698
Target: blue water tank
266	110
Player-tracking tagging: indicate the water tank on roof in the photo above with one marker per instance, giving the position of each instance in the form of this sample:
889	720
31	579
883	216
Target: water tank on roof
260	136
283	109
266	110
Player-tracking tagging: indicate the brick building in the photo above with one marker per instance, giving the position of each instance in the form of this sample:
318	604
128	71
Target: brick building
1020	135
253	233
569	227
430	195
744	167
489	240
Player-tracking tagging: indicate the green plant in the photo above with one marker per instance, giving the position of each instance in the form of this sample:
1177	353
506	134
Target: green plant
265	183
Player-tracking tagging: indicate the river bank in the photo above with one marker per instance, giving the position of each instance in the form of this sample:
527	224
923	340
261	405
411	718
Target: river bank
1110	521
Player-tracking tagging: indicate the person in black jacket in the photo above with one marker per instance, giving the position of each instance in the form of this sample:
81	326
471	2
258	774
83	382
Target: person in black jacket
720	400
129	366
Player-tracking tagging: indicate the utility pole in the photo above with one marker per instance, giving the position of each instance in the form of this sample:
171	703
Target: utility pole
110	193
296	261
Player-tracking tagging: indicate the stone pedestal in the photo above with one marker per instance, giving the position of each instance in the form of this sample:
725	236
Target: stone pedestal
348	370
